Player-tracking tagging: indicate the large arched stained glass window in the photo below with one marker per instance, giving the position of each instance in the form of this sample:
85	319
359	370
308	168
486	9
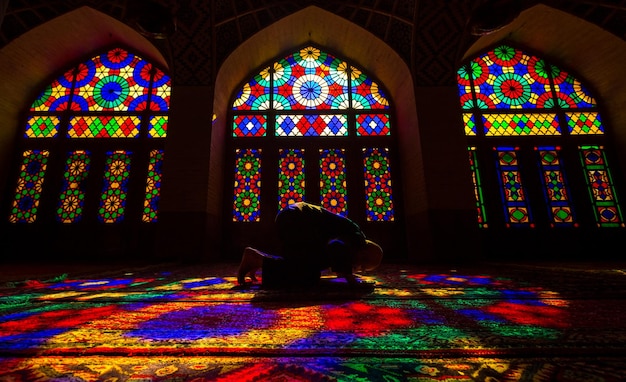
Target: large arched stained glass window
537	144
321	130
93	143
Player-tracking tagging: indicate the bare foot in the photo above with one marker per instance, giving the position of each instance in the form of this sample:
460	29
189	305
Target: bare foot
251	263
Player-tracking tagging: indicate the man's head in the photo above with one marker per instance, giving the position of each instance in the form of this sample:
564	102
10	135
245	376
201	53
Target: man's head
368	257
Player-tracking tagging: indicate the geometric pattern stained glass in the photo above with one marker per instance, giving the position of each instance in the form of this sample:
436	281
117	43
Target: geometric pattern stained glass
29	186
510	97
555	187
247	187
115	187
313	96
72	198
601	189
476	180
378	196
291	183
333	181
114	97
153	187
514	200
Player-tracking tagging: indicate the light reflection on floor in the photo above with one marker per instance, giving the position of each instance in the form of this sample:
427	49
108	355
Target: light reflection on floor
89	323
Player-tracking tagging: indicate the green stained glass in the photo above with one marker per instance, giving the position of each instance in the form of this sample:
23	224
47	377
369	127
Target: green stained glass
291	182
520	124
333	193
115	94
158	126
153	187
584	123
600	186
514	201
72	198
556	190
29	186
104	127
42	126
378	194
247	185
314	96
478	188
115	187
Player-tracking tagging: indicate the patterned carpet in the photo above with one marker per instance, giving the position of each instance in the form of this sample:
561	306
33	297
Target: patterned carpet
494	322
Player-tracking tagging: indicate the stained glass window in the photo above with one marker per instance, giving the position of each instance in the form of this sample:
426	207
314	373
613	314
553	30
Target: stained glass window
153	187
556	189
333	193
115	186
114	99
291	183
29	186
378	196
600	185
515	201
335	113
246	204
72	198
532	118
478	194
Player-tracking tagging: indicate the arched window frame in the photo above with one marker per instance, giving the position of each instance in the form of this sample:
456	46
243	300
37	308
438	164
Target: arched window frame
71	117
271	143
551	171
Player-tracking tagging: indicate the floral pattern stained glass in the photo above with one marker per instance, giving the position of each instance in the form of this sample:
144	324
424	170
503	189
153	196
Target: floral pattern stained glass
508	93
153	187
601	189
291	183
333	181
115	187
72	198
555	187
514	200
29	186
477	181
246	204
310	94
378	196
116	94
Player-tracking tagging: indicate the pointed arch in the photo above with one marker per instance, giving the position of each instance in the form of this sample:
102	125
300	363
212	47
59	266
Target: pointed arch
316	26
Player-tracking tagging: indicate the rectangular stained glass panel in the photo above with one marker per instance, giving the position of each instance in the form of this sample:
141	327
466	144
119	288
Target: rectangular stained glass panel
514	200
29	186
42	126
372	124
498	125
247	186
311	125
600	185
157	127
378	193
584	123
470	124
153	187
556	190
114	187
249	126
478	191
291	182
104	126
72	198
333	194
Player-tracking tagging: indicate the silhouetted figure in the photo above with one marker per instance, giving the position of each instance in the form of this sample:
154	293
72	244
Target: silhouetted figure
312	239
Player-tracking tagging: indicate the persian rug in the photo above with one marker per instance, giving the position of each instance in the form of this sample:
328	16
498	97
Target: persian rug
487	322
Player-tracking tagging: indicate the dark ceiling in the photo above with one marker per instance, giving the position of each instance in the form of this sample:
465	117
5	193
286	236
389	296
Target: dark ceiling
427	34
